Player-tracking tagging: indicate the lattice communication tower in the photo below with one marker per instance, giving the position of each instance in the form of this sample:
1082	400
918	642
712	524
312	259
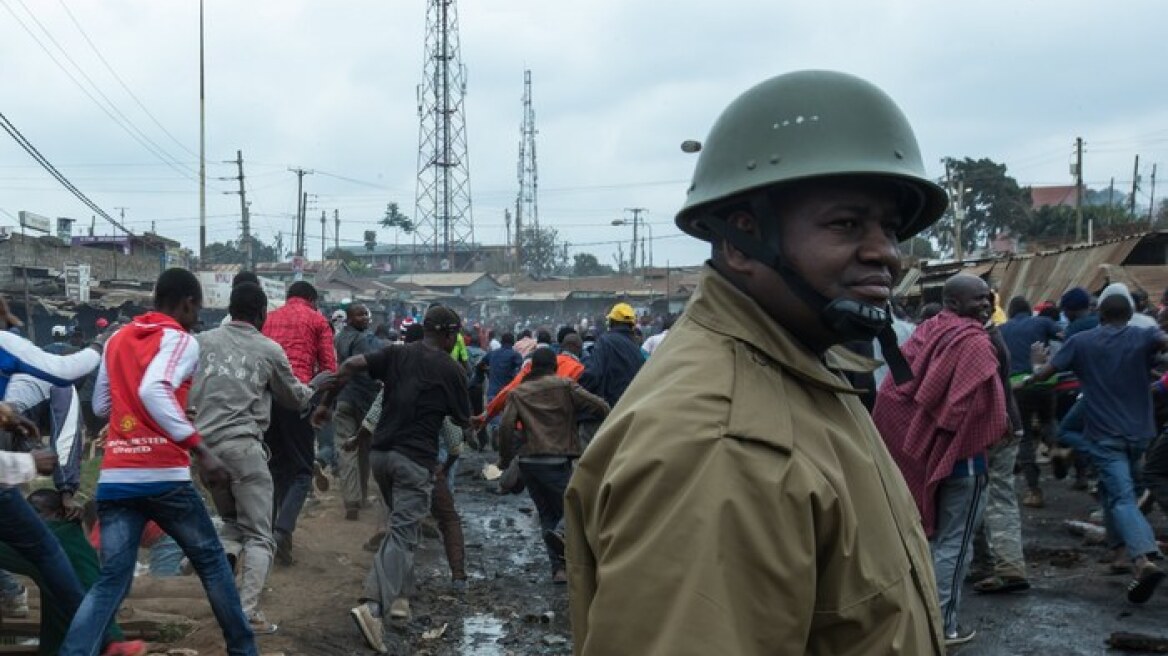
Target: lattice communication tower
442	213
527	201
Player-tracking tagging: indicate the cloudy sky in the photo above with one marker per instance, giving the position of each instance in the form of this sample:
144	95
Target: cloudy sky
108	92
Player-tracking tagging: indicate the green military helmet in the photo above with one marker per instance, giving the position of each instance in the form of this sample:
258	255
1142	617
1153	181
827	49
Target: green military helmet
808	124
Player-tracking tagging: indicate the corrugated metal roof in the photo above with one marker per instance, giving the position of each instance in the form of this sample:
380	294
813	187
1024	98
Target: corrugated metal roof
440	279
1045	276
1151	279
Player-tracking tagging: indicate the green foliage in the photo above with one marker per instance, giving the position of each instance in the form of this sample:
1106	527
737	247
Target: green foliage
231	252
994	203
395	219
918	247
586	264
538	251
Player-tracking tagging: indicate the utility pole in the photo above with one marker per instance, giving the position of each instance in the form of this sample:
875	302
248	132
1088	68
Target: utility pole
279	246
202	150
244	214
323	233
636	237
302	244
1111	193
1152	198
336	231
300	208
1078	189
1131	203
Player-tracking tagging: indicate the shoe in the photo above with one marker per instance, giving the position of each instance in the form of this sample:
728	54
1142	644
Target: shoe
1144	584
1001	584
352	514
959	637
1061	459
1043	455
16	605
1033	499
125	648
373	544
560	577
555	542
284	550
260	624
319	477
370	628
400	609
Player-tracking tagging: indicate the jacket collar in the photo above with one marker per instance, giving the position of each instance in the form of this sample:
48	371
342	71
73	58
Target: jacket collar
155	318
720	307
296	300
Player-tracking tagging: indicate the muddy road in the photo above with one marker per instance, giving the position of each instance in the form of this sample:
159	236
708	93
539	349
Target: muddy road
511	608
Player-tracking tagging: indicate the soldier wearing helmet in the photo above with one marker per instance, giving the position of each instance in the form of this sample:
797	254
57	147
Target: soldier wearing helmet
739	500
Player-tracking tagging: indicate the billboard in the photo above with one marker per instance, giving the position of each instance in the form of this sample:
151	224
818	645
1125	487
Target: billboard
33	221
217	290
77	282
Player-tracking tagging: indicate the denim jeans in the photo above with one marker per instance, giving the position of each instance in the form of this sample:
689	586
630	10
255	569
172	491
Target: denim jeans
326	446
181	514
1118	462
165	558
546	483
23	530
960	502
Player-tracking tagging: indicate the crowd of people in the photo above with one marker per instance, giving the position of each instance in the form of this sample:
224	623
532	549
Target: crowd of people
790	466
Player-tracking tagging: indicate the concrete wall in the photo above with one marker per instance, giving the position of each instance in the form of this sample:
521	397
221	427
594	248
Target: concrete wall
48	252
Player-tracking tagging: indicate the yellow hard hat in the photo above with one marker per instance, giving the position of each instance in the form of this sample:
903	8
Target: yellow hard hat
622	313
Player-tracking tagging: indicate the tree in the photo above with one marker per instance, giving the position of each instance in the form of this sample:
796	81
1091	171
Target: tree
395	219
919	248
538	250
586	264
356	265
994	203
231	252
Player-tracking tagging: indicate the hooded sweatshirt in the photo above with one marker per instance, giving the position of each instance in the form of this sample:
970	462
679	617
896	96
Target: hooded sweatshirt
1138	319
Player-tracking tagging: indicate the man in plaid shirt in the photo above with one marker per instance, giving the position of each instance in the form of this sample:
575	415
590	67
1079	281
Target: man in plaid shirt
306	337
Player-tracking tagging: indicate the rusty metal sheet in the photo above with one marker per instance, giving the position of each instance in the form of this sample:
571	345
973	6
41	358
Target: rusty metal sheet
1045	276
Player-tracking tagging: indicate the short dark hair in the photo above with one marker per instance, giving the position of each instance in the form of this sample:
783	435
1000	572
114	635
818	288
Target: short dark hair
175	285
1115	308
414	333
507	339
248	302
1018	305
245	276
543	337
525	334
303	289
543	362
564	332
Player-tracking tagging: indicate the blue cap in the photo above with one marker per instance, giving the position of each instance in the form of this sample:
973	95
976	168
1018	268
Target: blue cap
1075	298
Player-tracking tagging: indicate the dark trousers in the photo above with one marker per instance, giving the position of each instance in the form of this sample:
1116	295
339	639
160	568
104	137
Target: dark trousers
1155	473
546	483
290	439
1036	406
450	524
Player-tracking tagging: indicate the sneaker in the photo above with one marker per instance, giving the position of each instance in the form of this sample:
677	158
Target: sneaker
260	624
125	648
959	637
1033	499
560	577
370	627
1144	584
16	605
400	609
319	477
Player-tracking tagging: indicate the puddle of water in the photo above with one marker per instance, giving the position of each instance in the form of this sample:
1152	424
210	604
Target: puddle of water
479	635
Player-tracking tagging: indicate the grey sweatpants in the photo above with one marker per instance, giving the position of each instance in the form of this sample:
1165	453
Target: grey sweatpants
245	504
405	488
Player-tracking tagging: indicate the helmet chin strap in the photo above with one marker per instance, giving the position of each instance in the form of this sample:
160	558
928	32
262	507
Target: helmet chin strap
849	319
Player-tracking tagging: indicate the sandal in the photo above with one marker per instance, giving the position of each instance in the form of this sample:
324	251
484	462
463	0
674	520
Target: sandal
1001	584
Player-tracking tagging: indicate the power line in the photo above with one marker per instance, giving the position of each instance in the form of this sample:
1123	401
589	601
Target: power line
31	150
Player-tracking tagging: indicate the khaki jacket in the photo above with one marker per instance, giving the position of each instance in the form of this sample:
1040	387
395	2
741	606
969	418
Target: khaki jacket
739	501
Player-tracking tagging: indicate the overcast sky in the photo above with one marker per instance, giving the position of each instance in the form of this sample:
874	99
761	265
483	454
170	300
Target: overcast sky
618	85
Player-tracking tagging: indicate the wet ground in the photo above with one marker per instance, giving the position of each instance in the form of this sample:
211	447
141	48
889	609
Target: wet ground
512	609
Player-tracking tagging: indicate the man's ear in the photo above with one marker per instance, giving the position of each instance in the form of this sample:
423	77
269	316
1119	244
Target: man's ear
734	259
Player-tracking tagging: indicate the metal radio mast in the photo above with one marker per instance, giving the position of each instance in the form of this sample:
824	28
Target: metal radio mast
442	212
527	202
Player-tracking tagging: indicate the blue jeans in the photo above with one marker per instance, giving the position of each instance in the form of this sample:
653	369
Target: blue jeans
1118	461
181	514
23	530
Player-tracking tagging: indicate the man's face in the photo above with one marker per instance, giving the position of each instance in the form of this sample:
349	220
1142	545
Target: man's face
187	313
840	237
358	317
973	300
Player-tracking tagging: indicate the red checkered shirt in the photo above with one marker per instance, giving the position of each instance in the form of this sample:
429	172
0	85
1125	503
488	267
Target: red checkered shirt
305	336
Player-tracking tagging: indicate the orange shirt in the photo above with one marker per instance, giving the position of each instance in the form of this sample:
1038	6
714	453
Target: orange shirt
566	367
